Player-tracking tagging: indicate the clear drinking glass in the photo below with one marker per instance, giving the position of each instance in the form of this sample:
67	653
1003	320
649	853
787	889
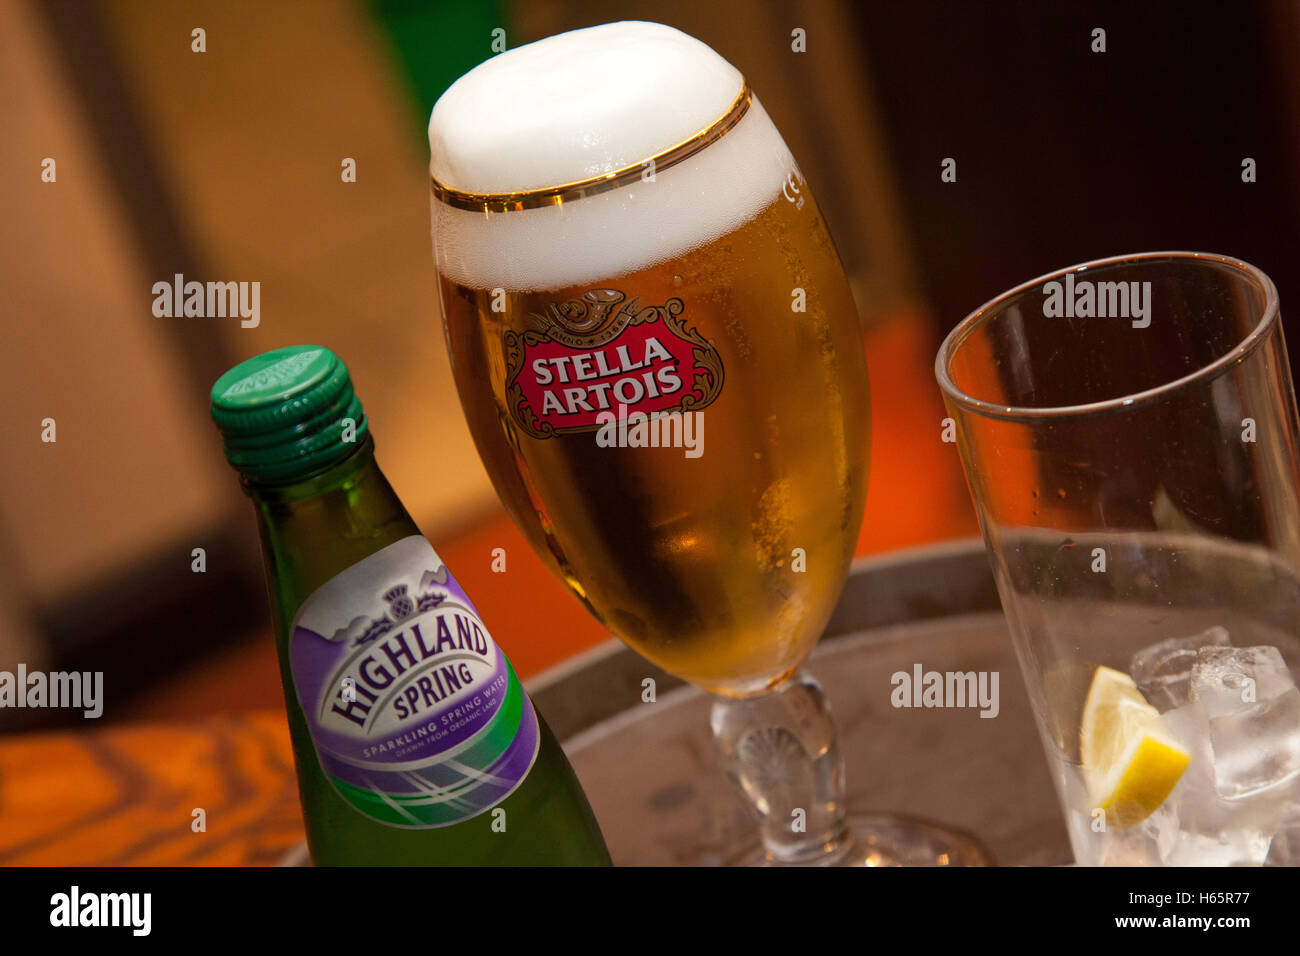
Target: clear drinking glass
1129	433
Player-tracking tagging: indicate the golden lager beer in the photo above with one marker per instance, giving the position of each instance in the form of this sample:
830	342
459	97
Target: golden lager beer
660	361
655	347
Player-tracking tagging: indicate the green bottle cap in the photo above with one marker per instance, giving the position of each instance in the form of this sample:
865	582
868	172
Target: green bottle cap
288	413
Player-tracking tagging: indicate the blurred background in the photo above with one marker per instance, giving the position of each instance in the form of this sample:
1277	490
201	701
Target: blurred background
225	165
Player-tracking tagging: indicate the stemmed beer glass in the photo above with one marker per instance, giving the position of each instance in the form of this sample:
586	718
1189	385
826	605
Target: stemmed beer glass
659	358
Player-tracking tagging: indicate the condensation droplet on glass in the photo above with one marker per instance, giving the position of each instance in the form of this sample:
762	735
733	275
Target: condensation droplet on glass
677	281
1060	493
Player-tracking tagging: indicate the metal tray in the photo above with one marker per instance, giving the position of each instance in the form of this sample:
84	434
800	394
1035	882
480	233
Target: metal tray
649	768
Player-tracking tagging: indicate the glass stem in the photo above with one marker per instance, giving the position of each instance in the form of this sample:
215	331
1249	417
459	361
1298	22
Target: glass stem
779	749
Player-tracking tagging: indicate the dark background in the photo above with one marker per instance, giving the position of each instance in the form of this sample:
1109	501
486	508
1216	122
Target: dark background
1065	155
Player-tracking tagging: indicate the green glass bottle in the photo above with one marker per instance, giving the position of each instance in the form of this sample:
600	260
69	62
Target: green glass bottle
414	741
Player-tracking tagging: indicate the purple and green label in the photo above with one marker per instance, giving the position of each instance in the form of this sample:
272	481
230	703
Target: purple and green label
417	717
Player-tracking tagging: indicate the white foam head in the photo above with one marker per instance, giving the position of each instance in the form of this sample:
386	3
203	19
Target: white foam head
579	105
575	106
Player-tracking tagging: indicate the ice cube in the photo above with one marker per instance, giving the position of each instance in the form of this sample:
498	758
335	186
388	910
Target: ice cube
1253	708
1285	849
1162	670
1210	830
1195	799
1286	842
1136	846
1226	848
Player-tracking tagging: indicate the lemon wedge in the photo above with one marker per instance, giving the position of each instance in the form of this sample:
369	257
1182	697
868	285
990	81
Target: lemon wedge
1131	761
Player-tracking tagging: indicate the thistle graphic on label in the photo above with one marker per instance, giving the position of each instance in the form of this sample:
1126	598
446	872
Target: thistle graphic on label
591	354
416	716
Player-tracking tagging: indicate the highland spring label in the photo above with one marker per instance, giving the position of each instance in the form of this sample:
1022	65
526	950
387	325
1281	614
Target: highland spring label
417	717
578	361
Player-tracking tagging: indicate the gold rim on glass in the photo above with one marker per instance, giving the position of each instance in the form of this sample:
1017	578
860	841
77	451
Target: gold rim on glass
1011	413
557	195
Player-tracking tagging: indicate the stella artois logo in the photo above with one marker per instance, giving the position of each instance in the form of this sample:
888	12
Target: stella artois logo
589	355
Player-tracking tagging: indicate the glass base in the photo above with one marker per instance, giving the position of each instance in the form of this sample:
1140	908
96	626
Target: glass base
889	839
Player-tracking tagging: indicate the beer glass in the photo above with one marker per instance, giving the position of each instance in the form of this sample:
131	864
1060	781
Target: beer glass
659	358
1128	429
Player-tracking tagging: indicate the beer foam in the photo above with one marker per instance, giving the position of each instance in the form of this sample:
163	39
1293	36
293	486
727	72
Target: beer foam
580	105
576	106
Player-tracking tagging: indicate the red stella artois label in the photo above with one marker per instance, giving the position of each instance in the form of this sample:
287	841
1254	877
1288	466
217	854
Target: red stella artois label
576	362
